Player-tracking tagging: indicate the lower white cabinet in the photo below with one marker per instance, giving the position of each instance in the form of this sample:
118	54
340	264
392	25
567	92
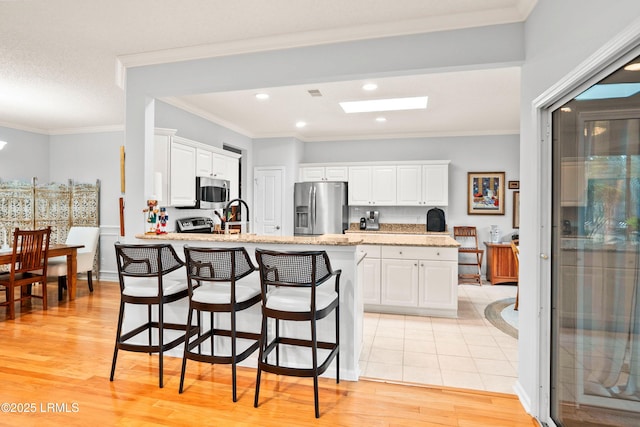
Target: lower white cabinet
411	280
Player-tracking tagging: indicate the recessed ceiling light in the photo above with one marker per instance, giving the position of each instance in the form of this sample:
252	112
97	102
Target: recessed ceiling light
301	124
381	119
262	96
633	67
392	104
565	109
370	86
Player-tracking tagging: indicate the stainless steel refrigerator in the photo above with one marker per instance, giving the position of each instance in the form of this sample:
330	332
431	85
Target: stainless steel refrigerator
320	208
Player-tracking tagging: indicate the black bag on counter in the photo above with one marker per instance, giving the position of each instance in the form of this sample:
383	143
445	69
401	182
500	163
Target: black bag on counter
435	220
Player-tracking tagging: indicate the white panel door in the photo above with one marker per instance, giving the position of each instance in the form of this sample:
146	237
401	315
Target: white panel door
183	175
438	284
383	185
312	173
435	185
203	162
409	185
371	280
359	185
336	173
268	201
399	282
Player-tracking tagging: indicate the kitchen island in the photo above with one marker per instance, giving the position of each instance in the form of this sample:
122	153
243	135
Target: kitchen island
347	252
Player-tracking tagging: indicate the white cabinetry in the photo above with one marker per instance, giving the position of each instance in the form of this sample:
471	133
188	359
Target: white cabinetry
423	184
574	183
182	173
370	271
414	280
372	185
323	173
180	160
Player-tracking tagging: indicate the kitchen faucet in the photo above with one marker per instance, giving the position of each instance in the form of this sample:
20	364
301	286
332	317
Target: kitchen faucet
226	210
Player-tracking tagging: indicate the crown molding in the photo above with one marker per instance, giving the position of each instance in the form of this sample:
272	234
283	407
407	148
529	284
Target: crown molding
206	115
17	126
92	129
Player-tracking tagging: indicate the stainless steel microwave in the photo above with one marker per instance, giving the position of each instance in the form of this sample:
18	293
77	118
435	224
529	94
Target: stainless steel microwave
211	193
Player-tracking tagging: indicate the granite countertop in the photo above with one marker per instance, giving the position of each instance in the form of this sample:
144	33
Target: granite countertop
352	239
390	228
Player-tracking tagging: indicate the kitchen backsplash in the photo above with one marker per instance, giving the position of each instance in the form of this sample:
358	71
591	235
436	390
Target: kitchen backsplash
394	214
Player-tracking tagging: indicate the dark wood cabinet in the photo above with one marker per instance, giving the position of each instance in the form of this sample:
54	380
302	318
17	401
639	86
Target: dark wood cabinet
501	264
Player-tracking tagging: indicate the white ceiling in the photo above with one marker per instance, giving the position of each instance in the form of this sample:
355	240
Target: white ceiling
58	63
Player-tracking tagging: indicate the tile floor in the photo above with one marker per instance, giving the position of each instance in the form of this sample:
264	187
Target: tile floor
467	352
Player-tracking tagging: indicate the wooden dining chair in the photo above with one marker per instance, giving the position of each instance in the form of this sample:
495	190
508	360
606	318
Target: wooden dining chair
28	266
515	247
471	255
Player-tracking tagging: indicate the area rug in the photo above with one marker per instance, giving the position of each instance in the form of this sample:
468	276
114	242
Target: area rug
502	315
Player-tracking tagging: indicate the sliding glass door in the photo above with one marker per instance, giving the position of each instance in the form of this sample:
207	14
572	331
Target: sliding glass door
595	318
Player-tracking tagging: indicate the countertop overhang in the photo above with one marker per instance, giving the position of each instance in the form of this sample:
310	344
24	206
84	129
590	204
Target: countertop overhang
350	239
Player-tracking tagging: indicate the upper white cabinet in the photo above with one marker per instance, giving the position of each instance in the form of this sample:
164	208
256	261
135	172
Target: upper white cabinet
216	165
405	183
574	183
180	160
372	185
324	173
423	184
182	173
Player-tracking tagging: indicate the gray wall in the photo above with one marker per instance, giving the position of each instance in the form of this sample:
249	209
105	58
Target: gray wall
25	156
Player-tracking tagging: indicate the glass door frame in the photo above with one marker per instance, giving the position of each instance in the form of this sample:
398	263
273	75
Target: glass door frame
609	58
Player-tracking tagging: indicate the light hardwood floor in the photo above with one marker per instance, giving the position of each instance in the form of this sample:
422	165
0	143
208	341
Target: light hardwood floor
56	365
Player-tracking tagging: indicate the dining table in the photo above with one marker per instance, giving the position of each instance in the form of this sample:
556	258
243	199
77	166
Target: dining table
56	250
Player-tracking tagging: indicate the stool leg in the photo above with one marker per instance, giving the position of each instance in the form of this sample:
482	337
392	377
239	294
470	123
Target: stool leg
90	280
314	355
118	333
160	338
338	344
262	345
233	353
186	349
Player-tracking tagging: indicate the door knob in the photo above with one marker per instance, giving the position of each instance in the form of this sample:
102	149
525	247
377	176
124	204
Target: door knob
544	256
277	227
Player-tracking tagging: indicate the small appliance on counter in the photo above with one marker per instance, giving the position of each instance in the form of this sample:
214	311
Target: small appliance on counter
372	220
363	223
436	220
199	224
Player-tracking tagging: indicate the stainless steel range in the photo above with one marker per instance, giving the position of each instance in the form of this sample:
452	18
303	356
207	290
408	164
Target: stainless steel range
198	224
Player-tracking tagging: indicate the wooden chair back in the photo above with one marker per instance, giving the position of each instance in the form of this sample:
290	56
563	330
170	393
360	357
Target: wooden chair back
30	249
516	251
466	235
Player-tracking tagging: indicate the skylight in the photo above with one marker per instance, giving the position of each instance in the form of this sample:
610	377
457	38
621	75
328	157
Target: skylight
391	104
609	91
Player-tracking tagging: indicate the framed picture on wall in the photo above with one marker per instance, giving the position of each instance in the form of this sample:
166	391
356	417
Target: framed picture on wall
485	193
516	209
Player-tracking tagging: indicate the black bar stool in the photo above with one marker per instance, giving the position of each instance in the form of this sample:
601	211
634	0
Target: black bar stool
141	272
291	291
220	281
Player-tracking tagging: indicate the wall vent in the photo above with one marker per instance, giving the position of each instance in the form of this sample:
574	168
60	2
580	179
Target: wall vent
314	92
